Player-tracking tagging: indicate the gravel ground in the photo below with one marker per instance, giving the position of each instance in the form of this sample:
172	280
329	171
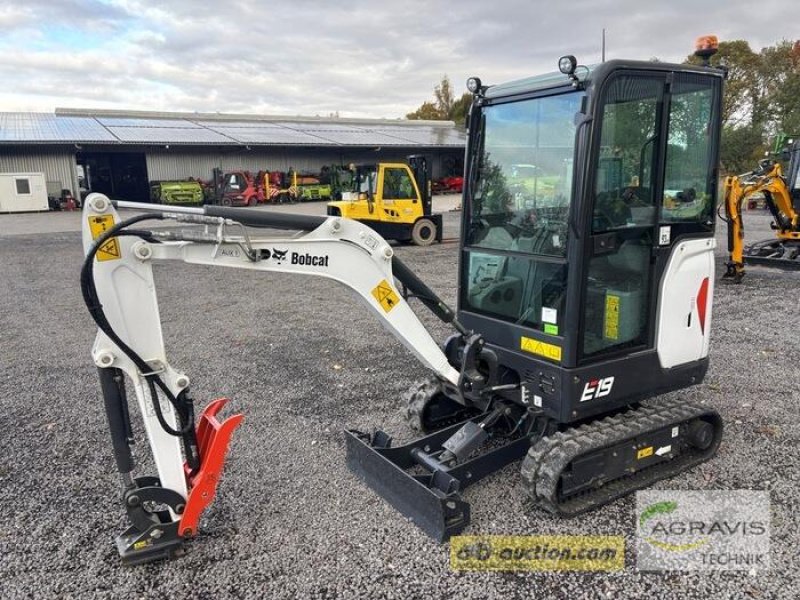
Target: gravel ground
302	362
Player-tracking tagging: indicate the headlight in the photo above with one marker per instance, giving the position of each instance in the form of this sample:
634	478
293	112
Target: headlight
474	85
567	64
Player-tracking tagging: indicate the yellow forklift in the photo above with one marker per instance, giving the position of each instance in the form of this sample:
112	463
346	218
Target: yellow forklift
394	199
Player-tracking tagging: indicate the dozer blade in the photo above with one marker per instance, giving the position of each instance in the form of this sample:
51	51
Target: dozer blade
780	254
431	498
580	469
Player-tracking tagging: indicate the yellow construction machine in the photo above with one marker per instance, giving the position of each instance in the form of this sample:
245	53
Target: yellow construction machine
394	199
782	196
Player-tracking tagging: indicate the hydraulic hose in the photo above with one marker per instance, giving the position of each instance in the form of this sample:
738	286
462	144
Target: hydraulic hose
183	406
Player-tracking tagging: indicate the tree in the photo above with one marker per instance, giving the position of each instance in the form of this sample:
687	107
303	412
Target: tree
781	80
444	96
742	103
741	148
761	99
460	109
444	106
427	112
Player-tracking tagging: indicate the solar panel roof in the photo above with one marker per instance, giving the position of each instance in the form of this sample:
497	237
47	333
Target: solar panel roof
39	127
67	127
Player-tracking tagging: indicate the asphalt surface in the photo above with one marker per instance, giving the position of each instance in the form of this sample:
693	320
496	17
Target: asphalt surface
302	361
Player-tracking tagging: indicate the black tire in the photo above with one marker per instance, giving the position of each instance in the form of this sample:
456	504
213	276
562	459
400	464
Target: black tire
253	201
424	232
227	202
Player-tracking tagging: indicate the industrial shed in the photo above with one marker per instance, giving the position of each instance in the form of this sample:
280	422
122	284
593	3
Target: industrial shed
119	152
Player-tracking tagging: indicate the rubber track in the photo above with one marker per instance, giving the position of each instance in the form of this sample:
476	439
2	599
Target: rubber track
416	401
547	459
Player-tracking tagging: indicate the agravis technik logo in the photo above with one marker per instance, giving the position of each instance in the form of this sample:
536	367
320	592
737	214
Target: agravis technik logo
709	530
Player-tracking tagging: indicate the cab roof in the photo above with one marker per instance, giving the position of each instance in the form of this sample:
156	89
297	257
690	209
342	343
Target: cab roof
588	74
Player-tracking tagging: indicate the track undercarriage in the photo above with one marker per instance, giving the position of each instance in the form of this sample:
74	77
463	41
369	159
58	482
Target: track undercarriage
782	254
567	470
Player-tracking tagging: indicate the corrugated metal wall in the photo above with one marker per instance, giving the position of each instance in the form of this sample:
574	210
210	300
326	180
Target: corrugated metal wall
58	165
185	162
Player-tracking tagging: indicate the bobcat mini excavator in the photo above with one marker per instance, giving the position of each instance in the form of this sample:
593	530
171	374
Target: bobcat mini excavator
580	297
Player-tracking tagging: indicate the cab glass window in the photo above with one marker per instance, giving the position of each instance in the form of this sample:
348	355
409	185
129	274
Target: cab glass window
624	181
397	185
515	266
522	191
689	186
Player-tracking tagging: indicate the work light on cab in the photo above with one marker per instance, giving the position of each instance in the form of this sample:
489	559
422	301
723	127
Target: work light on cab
567	64
474	85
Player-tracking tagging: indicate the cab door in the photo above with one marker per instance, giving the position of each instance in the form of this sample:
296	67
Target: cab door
649	272
619	259
362	204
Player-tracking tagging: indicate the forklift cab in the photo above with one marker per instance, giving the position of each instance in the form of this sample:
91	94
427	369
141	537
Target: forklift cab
386	191
588	231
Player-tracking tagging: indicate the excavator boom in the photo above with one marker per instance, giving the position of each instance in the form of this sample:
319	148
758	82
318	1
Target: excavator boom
119	290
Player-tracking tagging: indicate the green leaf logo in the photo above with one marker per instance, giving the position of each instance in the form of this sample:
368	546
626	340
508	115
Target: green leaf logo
659	508
664	508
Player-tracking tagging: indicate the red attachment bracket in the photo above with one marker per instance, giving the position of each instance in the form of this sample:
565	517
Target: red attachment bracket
213	438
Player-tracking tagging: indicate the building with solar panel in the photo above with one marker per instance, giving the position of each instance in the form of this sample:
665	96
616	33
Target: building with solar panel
119	153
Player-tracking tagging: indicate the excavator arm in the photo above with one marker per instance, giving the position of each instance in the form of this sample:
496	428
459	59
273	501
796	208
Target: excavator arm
119	290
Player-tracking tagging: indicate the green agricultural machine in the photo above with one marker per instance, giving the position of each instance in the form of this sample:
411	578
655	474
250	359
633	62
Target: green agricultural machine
176	192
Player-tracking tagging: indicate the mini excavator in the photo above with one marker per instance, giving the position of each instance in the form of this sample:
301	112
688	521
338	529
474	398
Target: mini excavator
586	285
782	196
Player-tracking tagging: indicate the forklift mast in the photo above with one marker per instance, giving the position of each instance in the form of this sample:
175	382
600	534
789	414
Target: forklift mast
419	167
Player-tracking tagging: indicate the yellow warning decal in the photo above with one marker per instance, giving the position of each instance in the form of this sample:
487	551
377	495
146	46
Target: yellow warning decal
110	249
533	346
385	295
611	326
644	453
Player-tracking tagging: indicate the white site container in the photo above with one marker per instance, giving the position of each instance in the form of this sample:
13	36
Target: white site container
21	192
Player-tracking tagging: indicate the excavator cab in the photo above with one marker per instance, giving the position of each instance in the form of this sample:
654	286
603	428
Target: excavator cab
793	172
589	230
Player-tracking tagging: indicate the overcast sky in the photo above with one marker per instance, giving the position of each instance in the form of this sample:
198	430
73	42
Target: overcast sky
359	58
